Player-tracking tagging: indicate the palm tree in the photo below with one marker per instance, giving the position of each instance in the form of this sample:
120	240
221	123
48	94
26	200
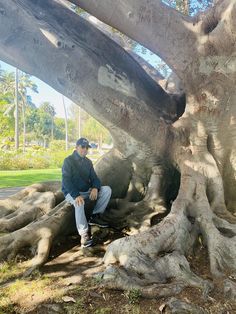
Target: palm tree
7	82
48	108
14	90
16	113
26	83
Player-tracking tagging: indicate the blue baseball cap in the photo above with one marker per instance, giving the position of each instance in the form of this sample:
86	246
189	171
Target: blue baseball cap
83	142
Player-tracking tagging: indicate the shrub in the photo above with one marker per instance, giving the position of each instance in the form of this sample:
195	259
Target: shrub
57	158
20	161
36	158
57	145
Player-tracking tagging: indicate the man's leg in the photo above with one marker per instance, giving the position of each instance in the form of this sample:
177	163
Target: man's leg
80	218
104	196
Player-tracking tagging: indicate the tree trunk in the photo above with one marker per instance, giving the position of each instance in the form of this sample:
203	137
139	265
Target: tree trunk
66	122
161	162
24	123
100	142
16	111
52	129
79	124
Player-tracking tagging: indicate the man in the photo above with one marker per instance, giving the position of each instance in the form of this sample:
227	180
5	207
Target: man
80	182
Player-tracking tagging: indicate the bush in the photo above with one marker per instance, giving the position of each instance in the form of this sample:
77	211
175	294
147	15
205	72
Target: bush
57	158
20	161
57	145
36	158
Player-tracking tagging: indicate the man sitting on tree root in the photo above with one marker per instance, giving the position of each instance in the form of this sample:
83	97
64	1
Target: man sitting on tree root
80	183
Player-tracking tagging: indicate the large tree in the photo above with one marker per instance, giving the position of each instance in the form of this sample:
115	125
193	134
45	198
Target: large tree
157	139
8	83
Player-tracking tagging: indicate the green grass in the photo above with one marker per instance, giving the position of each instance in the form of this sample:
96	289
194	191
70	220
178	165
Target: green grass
14	178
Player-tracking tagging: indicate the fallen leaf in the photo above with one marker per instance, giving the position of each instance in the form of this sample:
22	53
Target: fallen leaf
68	299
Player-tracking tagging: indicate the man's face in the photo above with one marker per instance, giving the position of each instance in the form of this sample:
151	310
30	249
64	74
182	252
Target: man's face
82	150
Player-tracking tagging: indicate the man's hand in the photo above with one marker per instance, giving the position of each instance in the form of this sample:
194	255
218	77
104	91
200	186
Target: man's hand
93	194
79	200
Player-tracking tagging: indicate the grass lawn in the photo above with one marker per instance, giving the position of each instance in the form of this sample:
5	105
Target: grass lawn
13	178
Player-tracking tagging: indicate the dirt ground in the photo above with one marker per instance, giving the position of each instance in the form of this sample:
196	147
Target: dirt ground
68	283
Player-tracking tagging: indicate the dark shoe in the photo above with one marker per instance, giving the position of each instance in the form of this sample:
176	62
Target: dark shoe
95	220
86	240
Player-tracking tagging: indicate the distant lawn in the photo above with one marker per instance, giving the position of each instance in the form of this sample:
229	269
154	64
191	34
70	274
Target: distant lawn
13	178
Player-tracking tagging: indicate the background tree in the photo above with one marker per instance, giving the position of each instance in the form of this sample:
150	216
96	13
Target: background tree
50	110
26	83
66	123
169	156
79	118
8	91
7	122
95	132
16	111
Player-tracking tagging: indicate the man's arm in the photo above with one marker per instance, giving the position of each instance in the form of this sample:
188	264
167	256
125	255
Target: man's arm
95	182
67	179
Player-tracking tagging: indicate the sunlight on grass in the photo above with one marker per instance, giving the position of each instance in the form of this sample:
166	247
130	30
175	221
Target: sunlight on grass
25	293
9	270
13	178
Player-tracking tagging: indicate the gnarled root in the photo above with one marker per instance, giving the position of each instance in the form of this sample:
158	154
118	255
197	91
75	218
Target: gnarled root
157	257
221	243
139	216
39	235
177	306
28	205
143	266
169	275
230	289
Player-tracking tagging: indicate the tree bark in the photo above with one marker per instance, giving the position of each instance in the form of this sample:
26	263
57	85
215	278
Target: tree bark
152	142
154	25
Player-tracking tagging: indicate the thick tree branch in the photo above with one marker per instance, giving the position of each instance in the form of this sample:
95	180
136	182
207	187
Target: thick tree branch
49	41
156	26
123	42
218	29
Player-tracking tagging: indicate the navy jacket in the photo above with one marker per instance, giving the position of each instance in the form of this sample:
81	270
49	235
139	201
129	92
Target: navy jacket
78	175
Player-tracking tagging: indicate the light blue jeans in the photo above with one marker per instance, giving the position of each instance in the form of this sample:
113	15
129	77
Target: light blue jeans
104	196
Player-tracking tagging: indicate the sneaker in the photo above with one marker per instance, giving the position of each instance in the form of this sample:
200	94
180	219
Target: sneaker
86	240
95	220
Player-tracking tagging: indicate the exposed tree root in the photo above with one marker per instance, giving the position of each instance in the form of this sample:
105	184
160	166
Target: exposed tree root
28	205
220	238
169	275
147	259
119	279
139	216
153	258
38	235
177	306
230	289
35	207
